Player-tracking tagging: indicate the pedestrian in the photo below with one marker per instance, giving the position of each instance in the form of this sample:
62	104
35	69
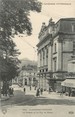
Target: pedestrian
35	87
49	89
69	92
38	92
12	90
41	90
9	91
24	90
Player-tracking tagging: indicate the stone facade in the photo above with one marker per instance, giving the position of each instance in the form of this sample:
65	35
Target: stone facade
55	48
28	78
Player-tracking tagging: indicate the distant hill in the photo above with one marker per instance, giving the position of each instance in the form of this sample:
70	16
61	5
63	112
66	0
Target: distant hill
27	62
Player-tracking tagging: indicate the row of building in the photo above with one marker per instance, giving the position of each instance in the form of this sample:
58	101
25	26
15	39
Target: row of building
56	57
56	54
28	73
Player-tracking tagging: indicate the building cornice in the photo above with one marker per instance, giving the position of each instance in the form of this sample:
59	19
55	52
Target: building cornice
67	51
62	33
44	40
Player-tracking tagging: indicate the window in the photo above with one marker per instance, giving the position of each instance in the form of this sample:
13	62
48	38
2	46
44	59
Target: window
55	64
25	81
43	54
53	28
47	53
46	70
40	55
73	27
40	58
34	79
74	48
47	56
43	57
55	47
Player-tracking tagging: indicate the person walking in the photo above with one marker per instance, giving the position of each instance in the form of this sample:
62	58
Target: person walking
12	91
38	92
41	90
49	89
24	90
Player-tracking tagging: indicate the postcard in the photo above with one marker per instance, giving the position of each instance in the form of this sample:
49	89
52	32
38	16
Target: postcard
37	58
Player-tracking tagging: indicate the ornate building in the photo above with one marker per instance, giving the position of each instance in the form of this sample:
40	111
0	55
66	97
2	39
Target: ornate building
55	50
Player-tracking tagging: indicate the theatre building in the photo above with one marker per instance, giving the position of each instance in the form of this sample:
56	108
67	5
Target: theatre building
56	48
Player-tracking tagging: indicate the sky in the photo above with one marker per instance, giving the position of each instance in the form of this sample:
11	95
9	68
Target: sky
54	9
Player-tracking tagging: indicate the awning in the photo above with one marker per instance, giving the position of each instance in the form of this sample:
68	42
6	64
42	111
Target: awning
68	83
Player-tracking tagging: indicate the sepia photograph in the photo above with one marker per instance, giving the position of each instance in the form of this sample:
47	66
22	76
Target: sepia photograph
37	58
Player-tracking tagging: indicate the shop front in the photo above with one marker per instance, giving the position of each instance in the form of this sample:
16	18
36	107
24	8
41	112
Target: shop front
68	87
43	81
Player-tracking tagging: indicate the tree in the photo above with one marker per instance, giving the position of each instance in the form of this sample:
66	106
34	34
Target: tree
14	16
14	19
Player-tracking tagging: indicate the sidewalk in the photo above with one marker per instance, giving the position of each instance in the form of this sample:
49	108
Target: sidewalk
30	92
46	94
3	98
51	95
54	95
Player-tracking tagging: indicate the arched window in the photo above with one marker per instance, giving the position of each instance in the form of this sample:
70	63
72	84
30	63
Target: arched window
55	47
25	81
47	56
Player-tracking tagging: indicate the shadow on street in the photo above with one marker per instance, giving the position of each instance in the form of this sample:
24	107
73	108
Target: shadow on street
20	99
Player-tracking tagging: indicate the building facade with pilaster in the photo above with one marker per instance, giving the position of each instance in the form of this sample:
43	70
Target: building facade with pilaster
55	49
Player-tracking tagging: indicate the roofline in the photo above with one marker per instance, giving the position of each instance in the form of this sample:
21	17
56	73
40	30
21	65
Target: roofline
69	19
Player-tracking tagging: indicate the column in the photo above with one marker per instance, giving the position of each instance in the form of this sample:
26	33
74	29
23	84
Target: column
23	81
39	80
45	55
59	58
49	58
39	59
17	80
44	81
42	56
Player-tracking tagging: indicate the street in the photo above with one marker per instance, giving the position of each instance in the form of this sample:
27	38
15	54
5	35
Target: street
49	105
30	99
